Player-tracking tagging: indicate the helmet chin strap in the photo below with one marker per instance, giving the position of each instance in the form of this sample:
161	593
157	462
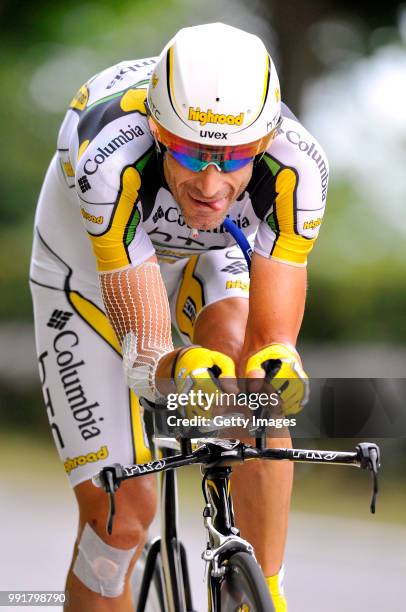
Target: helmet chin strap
158	146
258	158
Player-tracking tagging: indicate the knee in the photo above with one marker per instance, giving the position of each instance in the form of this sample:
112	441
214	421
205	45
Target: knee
135	509
103	562
253	474
260	476
221	326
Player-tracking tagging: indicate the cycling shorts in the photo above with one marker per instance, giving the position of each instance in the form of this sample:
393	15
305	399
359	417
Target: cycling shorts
95	419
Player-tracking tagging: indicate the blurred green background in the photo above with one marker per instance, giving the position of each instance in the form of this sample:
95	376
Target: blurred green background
342	69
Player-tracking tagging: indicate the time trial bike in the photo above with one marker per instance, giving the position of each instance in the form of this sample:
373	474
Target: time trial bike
235	582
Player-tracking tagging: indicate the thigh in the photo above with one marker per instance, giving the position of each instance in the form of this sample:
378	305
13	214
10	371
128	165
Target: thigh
95	419
206	284
221	327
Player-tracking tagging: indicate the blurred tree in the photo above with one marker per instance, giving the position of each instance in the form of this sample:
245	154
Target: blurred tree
293	23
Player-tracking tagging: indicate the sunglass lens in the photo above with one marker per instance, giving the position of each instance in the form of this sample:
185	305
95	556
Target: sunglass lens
196	165
231	165
187	161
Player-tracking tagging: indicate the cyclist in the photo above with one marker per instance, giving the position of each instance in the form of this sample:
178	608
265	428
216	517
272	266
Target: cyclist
152	156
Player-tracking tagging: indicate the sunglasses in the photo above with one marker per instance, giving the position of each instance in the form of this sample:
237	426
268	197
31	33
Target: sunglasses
197	165
197	156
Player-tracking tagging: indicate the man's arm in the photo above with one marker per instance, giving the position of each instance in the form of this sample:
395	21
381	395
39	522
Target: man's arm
137	305
277	301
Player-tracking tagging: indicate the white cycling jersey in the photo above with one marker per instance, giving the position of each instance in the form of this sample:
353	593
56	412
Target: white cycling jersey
108	158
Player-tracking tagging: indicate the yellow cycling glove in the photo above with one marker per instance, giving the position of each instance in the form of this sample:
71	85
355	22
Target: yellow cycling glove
283	370
197	369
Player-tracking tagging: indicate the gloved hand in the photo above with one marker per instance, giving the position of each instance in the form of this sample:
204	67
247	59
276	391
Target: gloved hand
200	369
283	370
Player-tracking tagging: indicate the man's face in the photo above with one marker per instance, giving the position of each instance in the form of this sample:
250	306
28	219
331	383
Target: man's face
204	197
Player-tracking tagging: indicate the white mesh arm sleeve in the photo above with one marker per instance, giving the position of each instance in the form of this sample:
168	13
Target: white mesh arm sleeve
137	305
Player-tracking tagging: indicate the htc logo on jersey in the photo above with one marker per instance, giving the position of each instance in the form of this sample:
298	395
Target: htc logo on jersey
123	137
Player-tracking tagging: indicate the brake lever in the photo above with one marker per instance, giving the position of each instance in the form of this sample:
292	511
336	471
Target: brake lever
369	457
271	367
214	372
109	479
152	406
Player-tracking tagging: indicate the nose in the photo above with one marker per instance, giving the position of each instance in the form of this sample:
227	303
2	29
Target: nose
209	182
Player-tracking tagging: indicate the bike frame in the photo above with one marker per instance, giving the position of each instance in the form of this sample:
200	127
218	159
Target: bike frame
176	583
223	536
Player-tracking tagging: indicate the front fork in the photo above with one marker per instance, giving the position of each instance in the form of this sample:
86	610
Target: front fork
218	514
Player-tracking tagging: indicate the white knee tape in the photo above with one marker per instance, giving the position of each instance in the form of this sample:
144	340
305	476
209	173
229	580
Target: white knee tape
101	567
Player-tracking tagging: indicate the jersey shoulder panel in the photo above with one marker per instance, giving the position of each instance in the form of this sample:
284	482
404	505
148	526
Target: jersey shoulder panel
110	179
111	81
295	147
106	96
296	190
110	143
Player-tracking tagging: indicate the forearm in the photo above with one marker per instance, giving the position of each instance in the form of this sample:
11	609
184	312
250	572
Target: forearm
277	301
137	306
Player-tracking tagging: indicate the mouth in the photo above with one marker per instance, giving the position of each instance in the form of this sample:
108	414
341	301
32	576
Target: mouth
214	205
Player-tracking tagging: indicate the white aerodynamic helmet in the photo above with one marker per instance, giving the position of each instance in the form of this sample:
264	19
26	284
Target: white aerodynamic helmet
214	94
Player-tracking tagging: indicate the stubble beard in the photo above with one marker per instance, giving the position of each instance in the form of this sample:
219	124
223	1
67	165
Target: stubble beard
207	220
